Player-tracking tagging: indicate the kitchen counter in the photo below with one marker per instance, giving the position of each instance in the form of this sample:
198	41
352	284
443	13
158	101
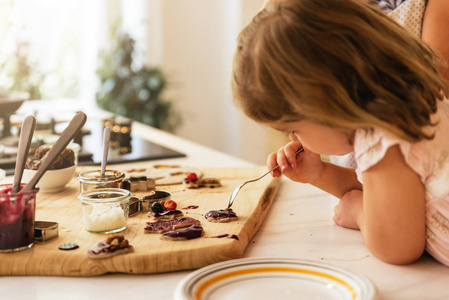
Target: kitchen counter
299	226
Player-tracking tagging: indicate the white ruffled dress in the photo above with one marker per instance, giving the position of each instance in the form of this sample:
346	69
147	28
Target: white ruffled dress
430	160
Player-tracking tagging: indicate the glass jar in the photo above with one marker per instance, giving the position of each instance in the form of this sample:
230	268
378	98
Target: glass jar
90	180
105	210
17	212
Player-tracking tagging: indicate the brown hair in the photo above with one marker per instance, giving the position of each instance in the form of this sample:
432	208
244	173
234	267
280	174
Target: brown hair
342	63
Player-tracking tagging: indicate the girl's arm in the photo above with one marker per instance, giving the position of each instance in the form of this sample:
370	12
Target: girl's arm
392	220
337	180
435	31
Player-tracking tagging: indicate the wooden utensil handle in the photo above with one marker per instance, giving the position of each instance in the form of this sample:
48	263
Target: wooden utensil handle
26	134
67	135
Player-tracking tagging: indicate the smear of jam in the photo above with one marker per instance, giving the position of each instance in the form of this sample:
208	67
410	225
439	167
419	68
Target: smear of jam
229	236
166	212
189	233
221	214
167	225
191	207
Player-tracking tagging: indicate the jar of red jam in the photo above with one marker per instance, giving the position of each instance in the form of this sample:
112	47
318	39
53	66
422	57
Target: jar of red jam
17	212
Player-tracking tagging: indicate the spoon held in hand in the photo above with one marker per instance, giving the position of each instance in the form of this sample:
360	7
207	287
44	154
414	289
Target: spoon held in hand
237	189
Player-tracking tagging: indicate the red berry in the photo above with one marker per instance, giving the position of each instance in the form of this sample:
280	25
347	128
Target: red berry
170	205
192	176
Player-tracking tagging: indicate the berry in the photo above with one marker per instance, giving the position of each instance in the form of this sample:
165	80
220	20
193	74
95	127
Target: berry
170	205
192	176
157	207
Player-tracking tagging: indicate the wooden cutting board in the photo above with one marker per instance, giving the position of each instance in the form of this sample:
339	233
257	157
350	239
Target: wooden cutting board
151	255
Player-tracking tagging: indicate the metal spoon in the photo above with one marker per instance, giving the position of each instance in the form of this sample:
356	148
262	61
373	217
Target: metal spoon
26	134
106	136
66	136
237	189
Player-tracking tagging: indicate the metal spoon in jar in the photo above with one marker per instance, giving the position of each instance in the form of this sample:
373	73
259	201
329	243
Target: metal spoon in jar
66	136
26	134
106	137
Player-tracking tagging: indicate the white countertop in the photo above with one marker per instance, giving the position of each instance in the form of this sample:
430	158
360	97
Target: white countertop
299	225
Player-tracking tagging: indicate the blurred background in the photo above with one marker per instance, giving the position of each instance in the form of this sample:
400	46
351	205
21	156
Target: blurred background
165	63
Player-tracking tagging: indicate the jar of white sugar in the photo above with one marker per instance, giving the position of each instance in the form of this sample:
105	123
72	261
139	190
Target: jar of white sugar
105	210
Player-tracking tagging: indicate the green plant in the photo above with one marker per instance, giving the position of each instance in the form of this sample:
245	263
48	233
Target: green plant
20	74
135	94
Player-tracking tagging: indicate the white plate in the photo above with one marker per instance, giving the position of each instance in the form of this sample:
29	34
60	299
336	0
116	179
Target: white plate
266	278
2	174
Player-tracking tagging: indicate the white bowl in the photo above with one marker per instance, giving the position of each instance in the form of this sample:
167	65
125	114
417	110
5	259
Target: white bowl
52	180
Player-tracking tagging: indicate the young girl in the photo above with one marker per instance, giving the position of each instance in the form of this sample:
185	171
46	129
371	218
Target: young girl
339	76
428	19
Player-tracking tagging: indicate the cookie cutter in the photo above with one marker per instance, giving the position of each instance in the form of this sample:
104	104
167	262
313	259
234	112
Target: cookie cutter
144	204
44	230
147	201
134	203
139	184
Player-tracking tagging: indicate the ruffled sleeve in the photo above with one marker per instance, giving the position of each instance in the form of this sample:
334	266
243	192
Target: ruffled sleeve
370	147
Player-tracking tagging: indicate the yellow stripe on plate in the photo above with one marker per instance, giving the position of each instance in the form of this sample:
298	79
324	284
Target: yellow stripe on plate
200	290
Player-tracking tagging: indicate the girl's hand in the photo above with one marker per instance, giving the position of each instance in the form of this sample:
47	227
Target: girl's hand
349	209
304	167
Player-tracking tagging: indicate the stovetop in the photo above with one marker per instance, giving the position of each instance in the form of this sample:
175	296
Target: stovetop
137	149
92	152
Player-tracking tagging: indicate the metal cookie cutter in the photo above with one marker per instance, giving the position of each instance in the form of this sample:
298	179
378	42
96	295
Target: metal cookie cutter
147	201
134	204
44	231
143	205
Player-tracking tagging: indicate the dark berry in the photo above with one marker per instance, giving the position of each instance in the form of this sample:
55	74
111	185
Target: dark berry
157	207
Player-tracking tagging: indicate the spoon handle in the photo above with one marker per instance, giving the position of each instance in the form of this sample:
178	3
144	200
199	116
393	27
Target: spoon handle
106	137
67	135
26	134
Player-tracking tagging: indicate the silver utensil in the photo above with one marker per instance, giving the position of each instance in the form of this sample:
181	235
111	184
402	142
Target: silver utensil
106	137
26	134
66	136
237	189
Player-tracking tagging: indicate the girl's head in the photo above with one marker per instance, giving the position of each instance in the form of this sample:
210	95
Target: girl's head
341	63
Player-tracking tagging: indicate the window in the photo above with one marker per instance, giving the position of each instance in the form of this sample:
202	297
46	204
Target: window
58	42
